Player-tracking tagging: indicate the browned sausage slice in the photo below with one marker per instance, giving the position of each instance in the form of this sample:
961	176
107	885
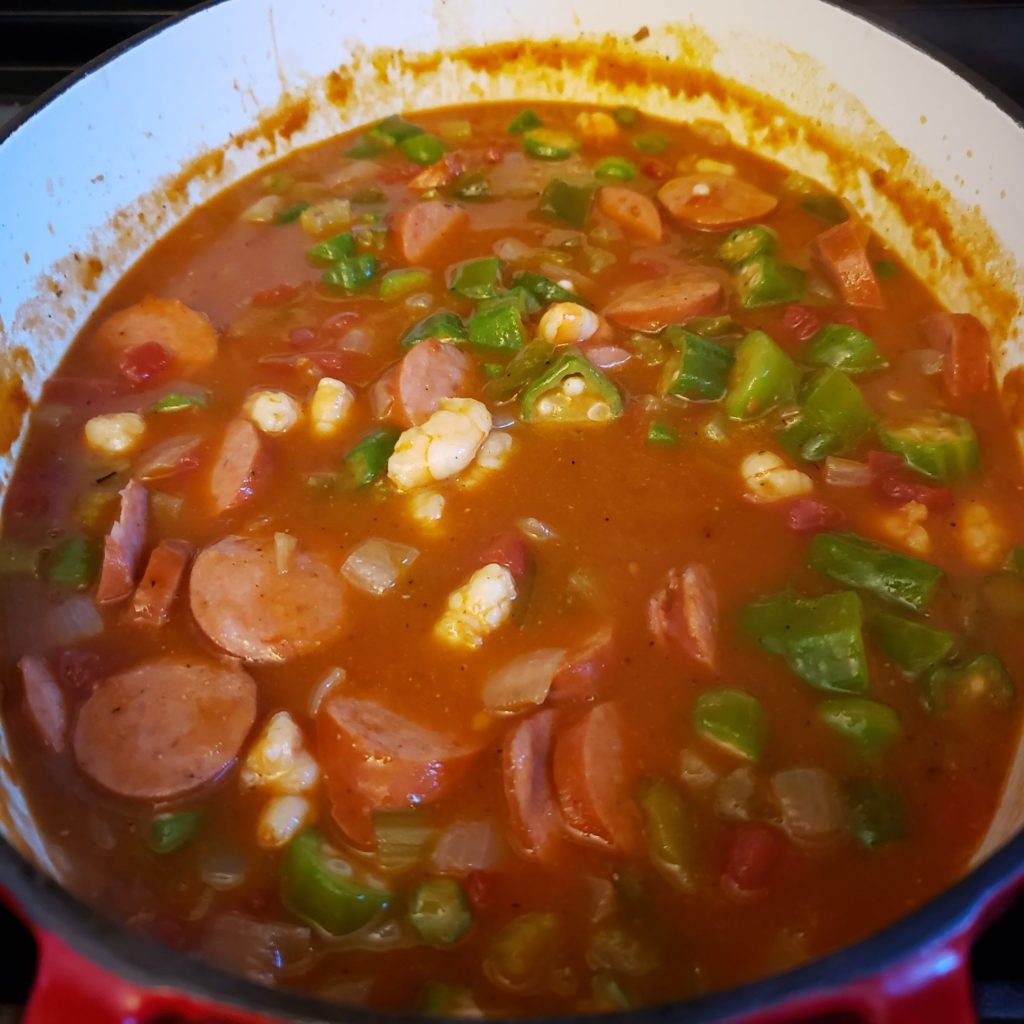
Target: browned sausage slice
423	227
151	605
529	790
684	614
45	701
673	299
841	255
241	466
246	606
123	546
715	202
188	336
164	727
633	210
428	373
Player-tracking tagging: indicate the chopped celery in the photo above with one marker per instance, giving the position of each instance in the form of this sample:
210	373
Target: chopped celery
476	279
568	200
732	719
318	885
911	646
95	510
888	574
615	168
168	832
524	367
662	434
763	281
351	273
524	122
875	814
423	148
571	390
442	326
18	558
746	243
701	371
291	213
761	377
833	418
498	324
941	446
650	142
869	727
439	912
369	458
550	144
525	951
401	837
825	207
74	563
983	676
333	249
492	370
626	116
471	186
543	288
177	401
821	639
401	282
843	348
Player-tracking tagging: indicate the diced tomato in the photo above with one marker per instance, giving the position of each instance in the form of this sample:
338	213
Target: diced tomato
510	550
80	671
965	343
143	362
891	480
396	174
276	295
494	154
352	367
580	678
754	855
684	614
481	888
656	169
338	324
801	321
808	515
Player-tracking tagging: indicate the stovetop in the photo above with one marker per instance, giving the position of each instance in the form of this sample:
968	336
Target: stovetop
40	44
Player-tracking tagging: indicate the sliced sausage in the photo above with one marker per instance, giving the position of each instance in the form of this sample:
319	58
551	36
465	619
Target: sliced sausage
164	727
673	299
160	583
965	343
591	783
421	229
241	466
429	372
246	606
510	550
187	335
715	202
374	759
634	211
581	676
123	546
841	255
684	614
529	792
438	175
44	701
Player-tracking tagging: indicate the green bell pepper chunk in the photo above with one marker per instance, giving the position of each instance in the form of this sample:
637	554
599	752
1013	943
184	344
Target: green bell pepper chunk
351	273
568	200
821	639
869	727
983	676
543	289
333	249
369	458
941	446
669	828
525	950
615	168
764	281
498	324
825	207
626	116
843	348
834	418
524	367
476	279
875	813
524	122
550	144
442	326
401	282
291	213
439	912
471	186
864	565
394	130
598	400
761	377
701	371
731	719
522	298
423	149
168	832
650	142
661	433
177	401
714	327
911	646
74	563
747	243
319	889
18	558
492	370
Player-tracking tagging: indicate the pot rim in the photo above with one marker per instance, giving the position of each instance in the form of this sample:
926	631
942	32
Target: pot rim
140	960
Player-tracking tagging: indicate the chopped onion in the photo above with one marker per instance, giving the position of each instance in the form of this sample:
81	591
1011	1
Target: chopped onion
524	681
734	793
262	951
376	565
562	236
601	899
605	357
846	472
170	456
512	250
223	869
420	300
553	270
284	547
72	620
928	361
401	838
535	529
388	934
716	428
809	801
325	688
351	172
695	771
264	210
468	846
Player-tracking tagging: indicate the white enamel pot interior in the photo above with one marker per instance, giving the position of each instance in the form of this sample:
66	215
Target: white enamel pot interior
120	154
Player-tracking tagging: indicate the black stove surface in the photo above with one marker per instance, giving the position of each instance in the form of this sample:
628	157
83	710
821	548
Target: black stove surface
41	43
